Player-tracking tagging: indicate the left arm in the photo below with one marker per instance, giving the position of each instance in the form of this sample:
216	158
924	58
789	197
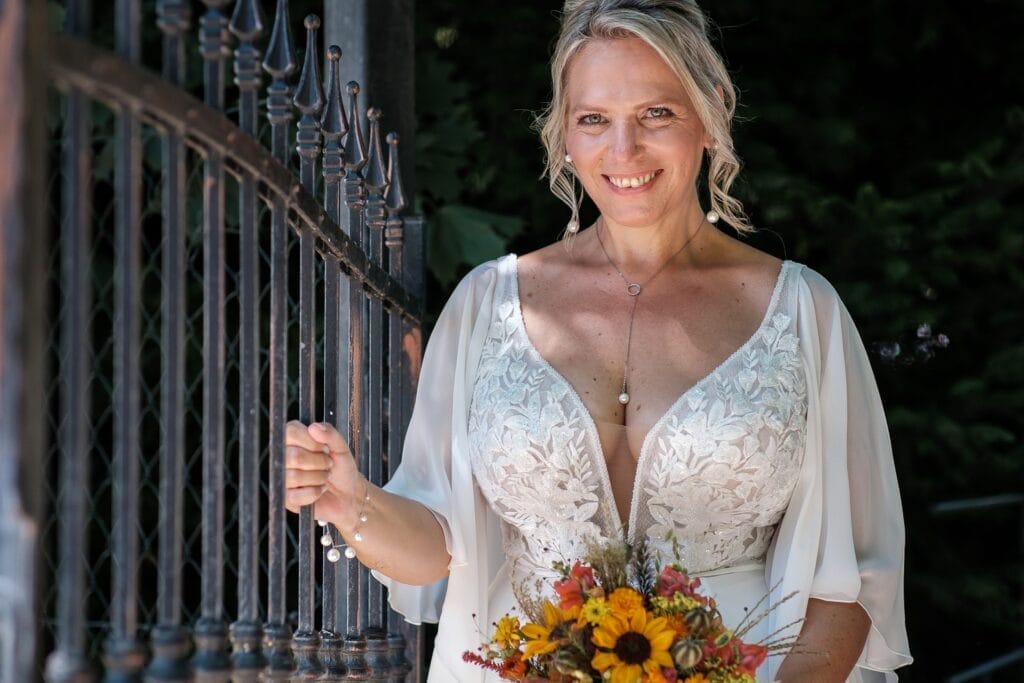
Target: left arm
830	642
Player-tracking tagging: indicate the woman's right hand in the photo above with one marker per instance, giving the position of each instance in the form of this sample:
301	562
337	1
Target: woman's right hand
320	471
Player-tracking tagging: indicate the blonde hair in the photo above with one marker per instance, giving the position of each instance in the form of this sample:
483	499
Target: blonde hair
677	31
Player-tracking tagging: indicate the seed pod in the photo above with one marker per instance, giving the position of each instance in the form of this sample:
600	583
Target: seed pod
697	620
687	653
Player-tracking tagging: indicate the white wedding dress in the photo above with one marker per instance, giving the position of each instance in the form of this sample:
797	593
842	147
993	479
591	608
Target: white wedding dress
774	470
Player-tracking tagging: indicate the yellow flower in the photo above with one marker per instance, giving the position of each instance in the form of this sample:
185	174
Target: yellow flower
594	611
634	648
506	634
625	601
541	640
695	678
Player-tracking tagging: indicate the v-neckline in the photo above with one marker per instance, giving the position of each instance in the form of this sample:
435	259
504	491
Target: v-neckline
591	424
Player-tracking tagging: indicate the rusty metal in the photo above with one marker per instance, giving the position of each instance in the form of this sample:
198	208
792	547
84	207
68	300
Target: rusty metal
246	632
369	317
211	631
280	63
169	640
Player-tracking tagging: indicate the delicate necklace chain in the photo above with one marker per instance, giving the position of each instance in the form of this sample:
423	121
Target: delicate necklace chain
633	289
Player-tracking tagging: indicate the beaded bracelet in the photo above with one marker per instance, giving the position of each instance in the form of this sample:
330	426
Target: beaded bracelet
327	540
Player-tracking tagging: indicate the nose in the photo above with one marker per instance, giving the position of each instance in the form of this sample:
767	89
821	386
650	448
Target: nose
626	139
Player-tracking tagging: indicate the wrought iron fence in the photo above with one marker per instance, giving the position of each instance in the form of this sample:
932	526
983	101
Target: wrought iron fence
202	293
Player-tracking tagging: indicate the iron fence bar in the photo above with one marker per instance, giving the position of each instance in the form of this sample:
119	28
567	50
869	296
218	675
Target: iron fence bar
211	633
376	183
123	655
354	645
69	661
24	243
279	63
78	65
308	99
412	349
246	632
398	667
334	125
169	639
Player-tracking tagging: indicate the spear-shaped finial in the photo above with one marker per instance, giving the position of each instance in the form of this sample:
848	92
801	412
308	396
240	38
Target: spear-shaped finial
309	95
247	20
355	148
280	59
333	121
395	197
376	175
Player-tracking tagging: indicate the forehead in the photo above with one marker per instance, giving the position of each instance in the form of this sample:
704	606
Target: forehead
619	71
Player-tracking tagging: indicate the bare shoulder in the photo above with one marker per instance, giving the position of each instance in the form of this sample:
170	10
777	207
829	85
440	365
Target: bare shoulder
541	269
746	266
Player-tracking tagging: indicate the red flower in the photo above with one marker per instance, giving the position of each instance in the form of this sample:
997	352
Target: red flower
570	590
672	581
669	674
751	657
513	668
584	574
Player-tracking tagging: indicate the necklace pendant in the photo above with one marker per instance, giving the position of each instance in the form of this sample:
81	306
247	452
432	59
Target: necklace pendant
624	398
633	289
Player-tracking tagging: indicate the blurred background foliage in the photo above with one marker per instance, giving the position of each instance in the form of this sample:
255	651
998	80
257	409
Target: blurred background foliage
884	147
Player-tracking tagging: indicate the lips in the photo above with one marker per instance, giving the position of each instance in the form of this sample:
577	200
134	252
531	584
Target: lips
638	181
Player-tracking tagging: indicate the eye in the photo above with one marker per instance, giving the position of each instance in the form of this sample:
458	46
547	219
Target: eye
589	120
659	112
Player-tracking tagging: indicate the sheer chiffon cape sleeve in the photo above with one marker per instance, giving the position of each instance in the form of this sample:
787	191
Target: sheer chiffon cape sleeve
436	472
842	537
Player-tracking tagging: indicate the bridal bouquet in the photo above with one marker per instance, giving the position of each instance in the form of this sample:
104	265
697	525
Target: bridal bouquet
619	619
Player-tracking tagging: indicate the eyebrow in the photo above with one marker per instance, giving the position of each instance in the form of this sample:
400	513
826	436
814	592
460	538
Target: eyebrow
642	105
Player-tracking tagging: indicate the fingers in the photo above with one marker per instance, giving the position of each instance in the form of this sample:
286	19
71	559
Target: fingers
296	458
296	434
297	479
323	433
300	497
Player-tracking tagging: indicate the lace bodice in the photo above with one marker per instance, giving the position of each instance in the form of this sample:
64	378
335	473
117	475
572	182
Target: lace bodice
716	471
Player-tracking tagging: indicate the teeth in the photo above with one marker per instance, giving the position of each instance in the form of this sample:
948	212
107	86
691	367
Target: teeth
635	181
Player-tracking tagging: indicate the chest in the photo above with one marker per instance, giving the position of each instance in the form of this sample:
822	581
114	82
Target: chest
670	337
722	458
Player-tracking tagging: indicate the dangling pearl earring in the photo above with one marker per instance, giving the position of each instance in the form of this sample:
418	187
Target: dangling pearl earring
568	158
712	216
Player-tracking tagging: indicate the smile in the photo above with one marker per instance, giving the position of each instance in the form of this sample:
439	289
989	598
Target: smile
633	182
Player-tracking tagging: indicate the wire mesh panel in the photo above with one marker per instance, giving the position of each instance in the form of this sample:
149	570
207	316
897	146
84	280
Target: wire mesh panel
205	286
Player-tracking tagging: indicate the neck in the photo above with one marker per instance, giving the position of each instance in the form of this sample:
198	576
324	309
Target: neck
639	250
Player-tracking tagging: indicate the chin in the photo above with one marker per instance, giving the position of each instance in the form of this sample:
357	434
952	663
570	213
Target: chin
631	219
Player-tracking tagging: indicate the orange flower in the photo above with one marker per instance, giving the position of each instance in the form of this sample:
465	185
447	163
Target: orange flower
514	667
625	601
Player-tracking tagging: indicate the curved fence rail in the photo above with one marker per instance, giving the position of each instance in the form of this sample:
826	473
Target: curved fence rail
205	289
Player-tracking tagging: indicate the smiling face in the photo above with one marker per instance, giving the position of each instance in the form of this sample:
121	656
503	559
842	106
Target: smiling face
636	141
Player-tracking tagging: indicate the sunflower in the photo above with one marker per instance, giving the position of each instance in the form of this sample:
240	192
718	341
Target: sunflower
541	640
506	634
633	646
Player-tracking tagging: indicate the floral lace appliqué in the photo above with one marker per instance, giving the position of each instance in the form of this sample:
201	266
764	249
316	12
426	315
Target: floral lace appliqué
716	472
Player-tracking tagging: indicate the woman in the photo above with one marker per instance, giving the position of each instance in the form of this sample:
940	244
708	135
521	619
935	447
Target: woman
648	375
